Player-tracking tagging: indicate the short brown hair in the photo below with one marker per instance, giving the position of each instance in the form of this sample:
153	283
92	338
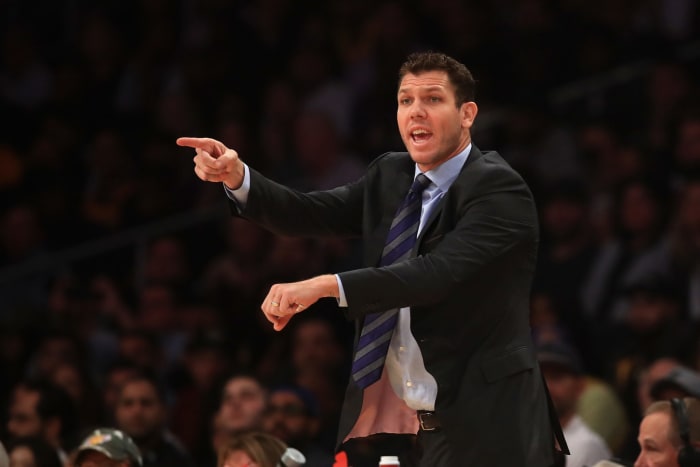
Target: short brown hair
458	74
693	418
263	448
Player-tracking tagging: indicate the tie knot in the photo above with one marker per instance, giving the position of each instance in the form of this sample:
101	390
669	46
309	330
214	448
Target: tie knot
419	184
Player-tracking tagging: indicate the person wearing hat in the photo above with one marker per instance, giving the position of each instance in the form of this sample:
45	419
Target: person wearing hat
679	382
108	447
565	380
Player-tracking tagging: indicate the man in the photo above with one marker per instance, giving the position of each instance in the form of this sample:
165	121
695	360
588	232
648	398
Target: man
107	447
292	415
141	413
565	379
680	382
461	282
669	435
39	408
243	402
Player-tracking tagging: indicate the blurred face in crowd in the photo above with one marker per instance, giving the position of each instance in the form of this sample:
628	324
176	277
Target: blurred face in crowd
564	387
24	420
97	459
22	456
315	347
242	404
239	458
432	126
140	412
657	450
287	418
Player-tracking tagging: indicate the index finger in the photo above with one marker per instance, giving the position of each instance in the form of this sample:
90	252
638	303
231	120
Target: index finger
207	144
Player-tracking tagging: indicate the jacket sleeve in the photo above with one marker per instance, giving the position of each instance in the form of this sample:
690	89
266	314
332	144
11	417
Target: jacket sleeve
284	211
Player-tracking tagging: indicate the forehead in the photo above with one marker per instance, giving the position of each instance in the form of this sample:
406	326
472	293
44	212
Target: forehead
139	389
238	385
285	397
655	426
425	80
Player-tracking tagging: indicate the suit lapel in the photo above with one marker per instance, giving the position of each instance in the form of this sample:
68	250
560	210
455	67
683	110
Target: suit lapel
474	156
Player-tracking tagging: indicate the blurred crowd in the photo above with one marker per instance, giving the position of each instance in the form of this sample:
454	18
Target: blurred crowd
595	102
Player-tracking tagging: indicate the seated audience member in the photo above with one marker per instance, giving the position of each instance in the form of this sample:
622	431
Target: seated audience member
41	409
679	382
565	380
669	435
243	401
141	412
251	449
292	415
31	452
107	447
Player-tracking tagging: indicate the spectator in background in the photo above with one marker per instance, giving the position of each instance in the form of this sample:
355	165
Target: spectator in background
142	348
640	219
651	328
242	405
251	449
196	383
118	373
107	447
667	428
292	415
565	255
679	382
142	413
31	452
564	376
41	409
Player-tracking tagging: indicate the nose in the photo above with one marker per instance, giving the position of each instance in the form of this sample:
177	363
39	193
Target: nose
417	110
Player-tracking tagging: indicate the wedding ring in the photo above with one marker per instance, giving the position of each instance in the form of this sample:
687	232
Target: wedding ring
274	303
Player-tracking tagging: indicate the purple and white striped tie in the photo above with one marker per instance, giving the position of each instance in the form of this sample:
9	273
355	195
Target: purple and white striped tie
378	328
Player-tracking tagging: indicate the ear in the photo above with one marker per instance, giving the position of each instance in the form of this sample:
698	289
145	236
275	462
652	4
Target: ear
468	112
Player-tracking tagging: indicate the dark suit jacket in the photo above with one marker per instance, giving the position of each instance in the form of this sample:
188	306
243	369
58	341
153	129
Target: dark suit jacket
468	289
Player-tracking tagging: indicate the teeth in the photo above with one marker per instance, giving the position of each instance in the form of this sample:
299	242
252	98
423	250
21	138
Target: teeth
420	132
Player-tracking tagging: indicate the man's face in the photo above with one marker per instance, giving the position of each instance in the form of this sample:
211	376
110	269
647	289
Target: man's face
564	387
23	417
656	447
286	417
97	459
242	405
432	126
139	411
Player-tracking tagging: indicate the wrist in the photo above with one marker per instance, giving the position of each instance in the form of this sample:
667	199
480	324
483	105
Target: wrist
329	285
235	179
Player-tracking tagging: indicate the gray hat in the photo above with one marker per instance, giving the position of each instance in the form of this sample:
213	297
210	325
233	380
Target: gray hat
681	378
115	444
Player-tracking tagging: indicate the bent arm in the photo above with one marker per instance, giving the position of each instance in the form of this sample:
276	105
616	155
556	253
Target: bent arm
282	210
490	226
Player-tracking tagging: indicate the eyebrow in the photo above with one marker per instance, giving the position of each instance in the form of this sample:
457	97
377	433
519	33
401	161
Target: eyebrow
427	89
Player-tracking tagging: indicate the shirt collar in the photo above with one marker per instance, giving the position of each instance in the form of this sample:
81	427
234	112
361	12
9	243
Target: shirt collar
444	174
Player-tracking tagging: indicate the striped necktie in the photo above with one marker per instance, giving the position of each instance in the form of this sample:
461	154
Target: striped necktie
378	328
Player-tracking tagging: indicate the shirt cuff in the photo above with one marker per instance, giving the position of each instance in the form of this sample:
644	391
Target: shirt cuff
240	195
342	301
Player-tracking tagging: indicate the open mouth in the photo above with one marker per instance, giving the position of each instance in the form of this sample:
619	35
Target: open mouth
420	135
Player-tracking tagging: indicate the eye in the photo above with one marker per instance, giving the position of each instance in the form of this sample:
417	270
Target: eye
435	99
404	101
